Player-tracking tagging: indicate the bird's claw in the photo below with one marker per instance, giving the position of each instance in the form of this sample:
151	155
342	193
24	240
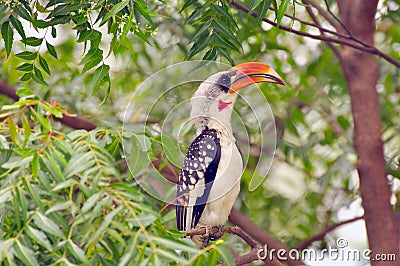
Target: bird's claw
202	241
218	234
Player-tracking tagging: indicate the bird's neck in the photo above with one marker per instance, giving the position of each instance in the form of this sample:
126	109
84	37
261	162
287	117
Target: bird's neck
209	115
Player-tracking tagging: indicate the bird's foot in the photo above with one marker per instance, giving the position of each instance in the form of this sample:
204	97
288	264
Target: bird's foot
212	233
202	240
217	232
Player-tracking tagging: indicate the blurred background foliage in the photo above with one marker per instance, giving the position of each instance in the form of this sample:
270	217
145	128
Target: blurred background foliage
66	196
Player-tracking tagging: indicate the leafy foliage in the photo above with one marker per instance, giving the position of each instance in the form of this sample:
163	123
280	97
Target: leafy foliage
65	195
65	201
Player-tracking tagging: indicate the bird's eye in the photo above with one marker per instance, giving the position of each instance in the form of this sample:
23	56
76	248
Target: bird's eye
225	82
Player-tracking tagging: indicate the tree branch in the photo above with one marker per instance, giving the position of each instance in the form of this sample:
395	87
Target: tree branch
316	21
260	235
253	255
75	122
322	234
368	49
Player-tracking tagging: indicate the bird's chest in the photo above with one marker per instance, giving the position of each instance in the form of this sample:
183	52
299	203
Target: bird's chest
226	186
229	171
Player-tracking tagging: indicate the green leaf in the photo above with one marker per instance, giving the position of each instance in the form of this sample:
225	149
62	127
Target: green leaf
26	77
8	36
5	194
225	43
43	121
41	24
47	225
223	12
32	41
281	10
91	59
187	4
210	55
3	145
226	255
76	251
172	256
225	54
90	202
53	32
27	55
114	10
141	7
171	150
89	35
5	245
198	46
38	76
106	222
100	74
13	131
22	12
27	129
225	30
39	237
78	163
262	9
138	159
26	67
25	254
144	219
18	26
35	165
44	64
173	244
196	12
59	206
51	49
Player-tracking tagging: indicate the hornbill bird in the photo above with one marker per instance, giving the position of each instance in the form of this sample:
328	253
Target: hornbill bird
209	180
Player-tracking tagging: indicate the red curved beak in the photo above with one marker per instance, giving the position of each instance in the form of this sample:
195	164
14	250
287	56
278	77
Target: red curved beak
253	72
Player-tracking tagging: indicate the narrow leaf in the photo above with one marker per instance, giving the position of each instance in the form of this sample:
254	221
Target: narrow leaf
25	254
32	41
173	244
26	67
27	129
223	12
47	225
18	26
77	252
44	64
27	55
51	50
106	222
282	10
101	73
38	76
8	36
39	237
114	10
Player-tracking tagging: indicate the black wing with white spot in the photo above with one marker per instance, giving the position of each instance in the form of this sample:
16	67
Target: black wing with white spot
196	178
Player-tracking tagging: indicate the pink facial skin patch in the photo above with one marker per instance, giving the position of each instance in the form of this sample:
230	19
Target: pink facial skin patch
222	105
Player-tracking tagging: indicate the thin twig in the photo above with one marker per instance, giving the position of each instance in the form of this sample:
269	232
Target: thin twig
322	12
253	255
364	47
316	21
322	234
